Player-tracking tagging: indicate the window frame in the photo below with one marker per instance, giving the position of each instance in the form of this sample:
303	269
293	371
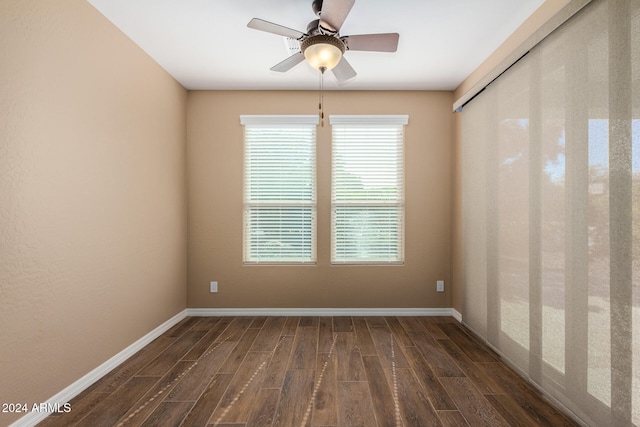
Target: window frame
371	122
251	205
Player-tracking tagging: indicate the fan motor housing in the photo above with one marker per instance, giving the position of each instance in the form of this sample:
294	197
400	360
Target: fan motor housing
313	28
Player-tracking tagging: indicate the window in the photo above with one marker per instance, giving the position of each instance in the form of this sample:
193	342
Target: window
367	191
279	189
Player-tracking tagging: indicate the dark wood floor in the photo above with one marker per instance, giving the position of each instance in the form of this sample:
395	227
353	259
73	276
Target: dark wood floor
312	371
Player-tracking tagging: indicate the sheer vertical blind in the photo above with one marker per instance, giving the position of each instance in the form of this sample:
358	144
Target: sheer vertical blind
551	213
367	189
279	189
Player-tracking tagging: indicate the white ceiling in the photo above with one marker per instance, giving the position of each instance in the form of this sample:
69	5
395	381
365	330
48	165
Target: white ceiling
205	44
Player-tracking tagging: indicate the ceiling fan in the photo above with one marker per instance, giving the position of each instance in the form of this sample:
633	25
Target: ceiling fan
322	45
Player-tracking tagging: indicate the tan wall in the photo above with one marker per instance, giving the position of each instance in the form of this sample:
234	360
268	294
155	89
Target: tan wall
92	195
215	140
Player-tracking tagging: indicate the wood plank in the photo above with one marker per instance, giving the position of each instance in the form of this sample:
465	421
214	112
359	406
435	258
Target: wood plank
238	327
79	410
342	324
235	406
443	319
269	334
365	342
208	323
452	419
529	399
265	406
213	335
510	410
169	414
384	341
291	325
208	401
381	393
415	408
476	351
438	359
348	358
123	372
431	325
277	368
110	410
325	412
375	322
428	380
238	354
472	405
325	335
355	406
87	391
485	383
305	346
410	323
168	358
148	403
259	322
183	326
309	321
294	399
193	384
399	332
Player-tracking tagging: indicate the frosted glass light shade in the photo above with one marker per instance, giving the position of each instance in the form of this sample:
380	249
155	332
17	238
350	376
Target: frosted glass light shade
323	51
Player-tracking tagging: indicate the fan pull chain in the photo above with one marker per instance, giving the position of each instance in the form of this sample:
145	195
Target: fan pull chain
321	97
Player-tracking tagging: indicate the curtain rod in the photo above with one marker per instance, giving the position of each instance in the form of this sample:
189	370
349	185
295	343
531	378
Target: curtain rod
521	51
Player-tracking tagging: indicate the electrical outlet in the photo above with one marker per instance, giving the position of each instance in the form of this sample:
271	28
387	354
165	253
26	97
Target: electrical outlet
213	287
440	286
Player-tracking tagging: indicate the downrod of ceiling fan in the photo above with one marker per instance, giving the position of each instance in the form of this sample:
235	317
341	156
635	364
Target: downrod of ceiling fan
317	7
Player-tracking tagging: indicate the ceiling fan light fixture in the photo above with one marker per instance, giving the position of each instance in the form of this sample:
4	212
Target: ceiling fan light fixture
322	51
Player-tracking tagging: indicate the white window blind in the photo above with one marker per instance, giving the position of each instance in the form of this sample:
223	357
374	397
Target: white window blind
367	191
279	189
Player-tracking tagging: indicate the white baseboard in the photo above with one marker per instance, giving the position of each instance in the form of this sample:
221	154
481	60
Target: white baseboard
205	312
83	383
456	314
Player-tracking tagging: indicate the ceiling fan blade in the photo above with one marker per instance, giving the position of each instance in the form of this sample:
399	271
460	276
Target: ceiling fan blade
386	42
334	12
288	63
343	71
270	27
